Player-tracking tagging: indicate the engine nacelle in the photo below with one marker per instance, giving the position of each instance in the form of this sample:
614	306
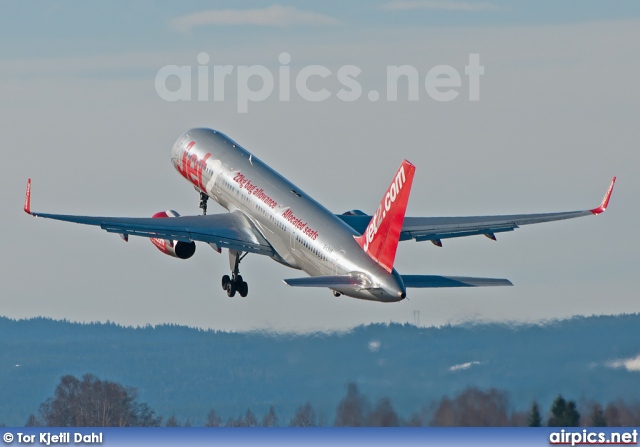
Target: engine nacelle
177	249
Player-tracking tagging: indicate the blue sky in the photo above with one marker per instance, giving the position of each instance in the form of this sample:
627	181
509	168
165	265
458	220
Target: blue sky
556	119
57	28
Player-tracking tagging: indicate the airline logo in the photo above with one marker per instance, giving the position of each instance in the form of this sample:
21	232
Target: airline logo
191	166
392	194
380	239
161	243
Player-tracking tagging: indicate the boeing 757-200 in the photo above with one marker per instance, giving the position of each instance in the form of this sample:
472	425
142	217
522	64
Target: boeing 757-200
351	254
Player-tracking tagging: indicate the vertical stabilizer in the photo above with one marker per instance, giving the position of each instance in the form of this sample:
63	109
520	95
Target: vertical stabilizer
380	239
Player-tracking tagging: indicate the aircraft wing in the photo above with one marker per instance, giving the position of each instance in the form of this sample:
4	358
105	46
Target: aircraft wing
230	230
437	228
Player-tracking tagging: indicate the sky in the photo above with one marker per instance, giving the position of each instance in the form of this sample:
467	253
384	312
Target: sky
555	119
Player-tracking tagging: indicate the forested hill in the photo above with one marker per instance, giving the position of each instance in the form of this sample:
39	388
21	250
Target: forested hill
187	372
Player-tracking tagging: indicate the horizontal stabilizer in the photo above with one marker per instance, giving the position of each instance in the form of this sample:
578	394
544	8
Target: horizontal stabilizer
434	281
326	281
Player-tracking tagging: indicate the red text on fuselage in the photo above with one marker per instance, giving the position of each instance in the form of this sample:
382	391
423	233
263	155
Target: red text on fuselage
191	166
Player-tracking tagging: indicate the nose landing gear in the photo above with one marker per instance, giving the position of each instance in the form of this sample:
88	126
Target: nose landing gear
235	283
203	203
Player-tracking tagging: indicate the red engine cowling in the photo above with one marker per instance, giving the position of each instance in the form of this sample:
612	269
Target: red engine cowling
177	249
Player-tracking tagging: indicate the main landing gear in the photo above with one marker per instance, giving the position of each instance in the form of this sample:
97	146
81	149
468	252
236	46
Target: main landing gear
235	283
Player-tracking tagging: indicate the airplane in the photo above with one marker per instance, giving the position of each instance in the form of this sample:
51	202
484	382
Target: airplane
351	254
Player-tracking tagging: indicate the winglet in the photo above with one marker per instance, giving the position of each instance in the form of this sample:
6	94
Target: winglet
605	202
27	198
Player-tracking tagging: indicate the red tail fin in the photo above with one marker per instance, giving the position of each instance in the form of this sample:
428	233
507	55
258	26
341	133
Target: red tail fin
380	239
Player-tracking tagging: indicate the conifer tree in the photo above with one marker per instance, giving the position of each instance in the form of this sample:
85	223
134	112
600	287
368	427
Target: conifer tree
534	420
563	413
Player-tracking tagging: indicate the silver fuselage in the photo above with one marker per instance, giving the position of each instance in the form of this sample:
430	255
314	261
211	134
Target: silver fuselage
304	234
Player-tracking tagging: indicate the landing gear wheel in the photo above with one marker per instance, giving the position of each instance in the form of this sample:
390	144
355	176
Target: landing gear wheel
225	280
231	289
336	294
235	283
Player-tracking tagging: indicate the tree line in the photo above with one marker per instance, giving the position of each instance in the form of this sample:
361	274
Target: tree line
227	371
91	402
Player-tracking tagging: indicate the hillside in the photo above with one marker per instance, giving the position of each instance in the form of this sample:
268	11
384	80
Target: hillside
187	372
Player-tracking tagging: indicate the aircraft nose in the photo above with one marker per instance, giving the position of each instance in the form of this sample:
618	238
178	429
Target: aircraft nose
176	147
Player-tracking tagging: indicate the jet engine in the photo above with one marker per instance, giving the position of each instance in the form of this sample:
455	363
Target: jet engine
177	249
